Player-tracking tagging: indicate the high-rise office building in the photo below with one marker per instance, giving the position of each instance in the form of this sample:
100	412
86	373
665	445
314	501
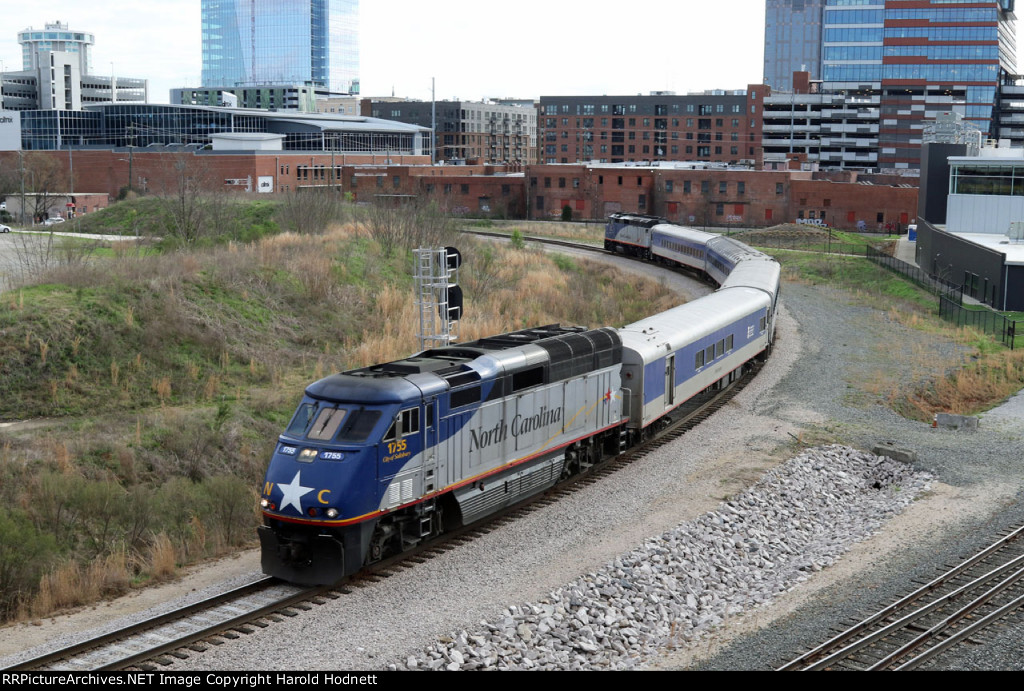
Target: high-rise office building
893	66
281	42
792	41
923	57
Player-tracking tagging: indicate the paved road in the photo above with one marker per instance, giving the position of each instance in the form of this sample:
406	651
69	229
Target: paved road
14	247
24	249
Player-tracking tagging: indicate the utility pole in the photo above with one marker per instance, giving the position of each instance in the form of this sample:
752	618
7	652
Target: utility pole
131	150
21	159
433	122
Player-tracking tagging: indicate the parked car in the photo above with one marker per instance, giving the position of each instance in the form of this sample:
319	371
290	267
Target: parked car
5	229
53	221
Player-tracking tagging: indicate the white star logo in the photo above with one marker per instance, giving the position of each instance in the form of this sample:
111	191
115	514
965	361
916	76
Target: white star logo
293	493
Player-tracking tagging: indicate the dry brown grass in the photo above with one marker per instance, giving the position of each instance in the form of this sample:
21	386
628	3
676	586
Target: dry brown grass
554	297
934	379
73	584
991	379
162	563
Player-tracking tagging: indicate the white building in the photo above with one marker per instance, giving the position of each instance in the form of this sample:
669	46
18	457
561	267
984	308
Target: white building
57	74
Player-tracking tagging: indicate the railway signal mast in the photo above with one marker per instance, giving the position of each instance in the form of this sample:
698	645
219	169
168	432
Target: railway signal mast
438	295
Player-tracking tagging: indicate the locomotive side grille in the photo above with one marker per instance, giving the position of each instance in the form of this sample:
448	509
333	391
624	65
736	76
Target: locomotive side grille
500	492
400	492
574	355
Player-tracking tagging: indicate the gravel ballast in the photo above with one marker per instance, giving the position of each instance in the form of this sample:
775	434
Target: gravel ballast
680	585
827	344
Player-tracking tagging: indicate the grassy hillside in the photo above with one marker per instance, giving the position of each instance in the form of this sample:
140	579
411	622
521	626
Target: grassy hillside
219	218
154	386
974	376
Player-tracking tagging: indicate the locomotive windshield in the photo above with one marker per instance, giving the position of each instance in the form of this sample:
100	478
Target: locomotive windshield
324	422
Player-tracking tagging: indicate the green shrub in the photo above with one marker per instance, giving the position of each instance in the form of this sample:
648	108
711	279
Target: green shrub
517	240
25	554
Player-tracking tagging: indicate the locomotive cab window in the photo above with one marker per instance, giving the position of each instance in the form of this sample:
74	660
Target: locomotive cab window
407	422
326	423
303	416
358	426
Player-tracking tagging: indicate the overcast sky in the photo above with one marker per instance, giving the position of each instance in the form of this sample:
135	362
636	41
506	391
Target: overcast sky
522	49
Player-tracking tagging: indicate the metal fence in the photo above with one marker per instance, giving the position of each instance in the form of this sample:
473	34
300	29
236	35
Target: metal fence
951	300
930	282
823	245
983	319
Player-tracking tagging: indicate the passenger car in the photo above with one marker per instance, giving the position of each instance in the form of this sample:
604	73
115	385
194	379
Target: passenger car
379	459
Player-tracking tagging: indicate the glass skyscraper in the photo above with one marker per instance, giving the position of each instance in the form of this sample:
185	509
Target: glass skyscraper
792	41
925	57
281	42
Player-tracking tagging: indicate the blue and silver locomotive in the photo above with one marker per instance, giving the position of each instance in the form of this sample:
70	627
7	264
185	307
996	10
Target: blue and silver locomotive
379	459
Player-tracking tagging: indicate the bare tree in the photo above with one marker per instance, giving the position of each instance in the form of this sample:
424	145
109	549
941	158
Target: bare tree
310	210
188	198
408	224
42	178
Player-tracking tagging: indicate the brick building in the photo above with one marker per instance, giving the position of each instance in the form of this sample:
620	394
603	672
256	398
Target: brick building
719	126
480	190
720	196
696	194
156	171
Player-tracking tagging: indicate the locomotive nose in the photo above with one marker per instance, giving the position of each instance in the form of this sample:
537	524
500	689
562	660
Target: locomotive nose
311	483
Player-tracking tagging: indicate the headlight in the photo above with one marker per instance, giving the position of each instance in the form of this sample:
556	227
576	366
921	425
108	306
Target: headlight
332	513
308	455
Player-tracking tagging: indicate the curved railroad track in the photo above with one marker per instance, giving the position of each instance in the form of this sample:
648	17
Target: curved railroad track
958	606
194	628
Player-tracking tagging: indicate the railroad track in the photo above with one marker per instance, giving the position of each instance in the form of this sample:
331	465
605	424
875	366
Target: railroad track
541	240
183	627
194	628
957	606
